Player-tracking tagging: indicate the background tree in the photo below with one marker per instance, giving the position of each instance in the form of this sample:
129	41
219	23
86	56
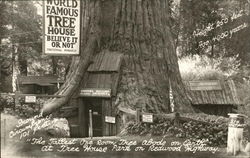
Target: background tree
220	59
21	45
20	36
238	44
4	63
196	14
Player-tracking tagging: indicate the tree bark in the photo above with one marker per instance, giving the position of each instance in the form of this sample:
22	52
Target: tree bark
15	67
140	30
23	63
54	65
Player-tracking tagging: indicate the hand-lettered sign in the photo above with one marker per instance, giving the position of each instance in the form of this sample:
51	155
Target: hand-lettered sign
147	118
30	99
236	121
205	85
100	92
61	27
109	119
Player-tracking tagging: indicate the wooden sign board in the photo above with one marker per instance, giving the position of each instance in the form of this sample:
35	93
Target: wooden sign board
109	119
106	93
147	118
205	85
61	27
236	121
235	133
30	99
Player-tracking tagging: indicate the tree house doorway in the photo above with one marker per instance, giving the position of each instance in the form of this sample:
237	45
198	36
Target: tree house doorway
96	118
93	115
97	95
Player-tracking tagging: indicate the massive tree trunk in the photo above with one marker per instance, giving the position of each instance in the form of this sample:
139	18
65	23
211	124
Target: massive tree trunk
140	30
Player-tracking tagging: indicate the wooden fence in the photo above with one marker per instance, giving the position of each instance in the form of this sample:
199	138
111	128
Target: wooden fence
18	95
175	117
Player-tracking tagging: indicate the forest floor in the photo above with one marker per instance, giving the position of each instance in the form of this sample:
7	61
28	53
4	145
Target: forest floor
14	148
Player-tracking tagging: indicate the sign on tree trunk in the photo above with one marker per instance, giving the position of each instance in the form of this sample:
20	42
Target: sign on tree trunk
61	27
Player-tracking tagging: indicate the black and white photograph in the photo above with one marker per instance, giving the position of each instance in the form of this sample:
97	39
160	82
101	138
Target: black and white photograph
125	78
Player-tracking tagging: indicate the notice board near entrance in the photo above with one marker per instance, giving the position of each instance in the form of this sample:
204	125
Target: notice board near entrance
96	92
61	27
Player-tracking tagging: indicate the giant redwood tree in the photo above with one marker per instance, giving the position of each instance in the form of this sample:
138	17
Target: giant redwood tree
140	30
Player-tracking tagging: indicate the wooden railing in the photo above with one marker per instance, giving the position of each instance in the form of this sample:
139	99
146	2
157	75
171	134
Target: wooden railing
176	117
19	94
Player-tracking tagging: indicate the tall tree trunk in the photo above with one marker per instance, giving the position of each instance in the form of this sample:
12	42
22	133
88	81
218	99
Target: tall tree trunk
15	67
23	63
140	30
54	65
1	60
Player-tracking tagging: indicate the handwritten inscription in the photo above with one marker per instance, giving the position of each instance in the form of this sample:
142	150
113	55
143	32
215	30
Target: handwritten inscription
198	145
121	145
236	15
211	26
38	141
26	127
65	148
223	35
228	33
107	142
236	123
164	148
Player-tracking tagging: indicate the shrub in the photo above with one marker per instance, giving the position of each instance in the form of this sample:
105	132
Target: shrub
243	91
24	110
209	127
28	110
204	68
6	101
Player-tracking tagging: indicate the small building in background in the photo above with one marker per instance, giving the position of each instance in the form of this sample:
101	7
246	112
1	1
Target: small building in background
38	84
214	97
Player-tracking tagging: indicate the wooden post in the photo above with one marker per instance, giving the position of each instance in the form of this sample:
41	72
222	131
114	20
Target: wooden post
90	124
235	134
138	115
247	149
17	95
177	119
83	124
4	132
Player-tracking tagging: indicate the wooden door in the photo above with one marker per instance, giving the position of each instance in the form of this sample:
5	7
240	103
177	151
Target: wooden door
95	105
